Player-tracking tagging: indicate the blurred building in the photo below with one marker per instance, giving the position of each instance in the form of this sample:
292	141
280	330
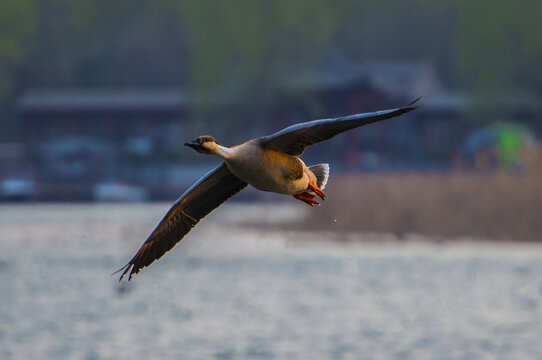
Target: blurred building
103	114
81	142
336	86
430	138
80	138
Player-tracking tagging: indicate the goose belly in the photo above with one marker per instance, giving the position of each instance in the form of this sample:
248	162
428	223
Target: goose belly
267	175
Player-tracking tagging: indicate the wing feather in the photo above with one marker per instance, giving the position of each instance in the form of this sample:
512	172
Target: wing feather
294	139
199	200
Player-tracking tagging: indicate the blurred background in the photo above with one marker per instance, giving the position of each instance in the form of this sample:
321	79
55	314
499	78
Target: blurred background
97	98
95	94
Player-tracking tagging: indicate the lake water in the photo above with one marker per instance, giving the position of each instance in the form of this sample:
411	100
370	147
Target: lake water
232	290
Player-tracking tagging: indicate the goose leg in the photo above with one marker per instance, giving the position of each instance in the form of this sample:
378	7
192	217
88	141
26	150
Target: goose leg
317	190
307	198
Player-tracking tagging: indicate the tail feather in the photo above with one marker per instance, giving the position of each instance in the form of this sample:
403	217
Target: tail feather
321	171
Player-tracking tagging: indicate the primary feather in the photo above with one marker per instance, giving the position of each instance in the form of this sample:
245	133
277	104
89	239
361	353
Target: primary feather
294	139
198	201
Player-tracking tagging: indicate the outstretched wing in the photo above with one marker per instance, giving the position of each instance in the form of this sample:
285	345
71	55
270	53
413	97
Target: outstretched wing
294	139
198	201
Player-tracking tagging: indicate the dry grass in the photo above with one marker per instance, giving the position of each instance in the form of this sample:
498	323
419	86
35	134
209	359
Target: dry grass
499	206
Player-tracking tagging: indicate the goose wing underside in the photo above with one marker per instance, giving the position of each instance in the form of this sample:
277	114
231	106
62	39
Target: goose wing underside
199	200
294	139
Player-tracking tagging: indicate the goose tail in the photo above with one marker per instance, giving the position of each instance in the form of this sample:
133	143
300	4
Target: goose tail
321	171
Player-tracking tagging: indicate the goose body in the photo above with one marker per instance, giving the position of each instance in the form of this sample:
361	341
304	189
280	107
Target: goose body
268	170
269	163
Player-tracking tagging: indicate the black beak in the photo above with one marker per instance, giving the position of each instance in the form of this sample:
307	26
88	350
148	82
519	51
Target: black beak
193	144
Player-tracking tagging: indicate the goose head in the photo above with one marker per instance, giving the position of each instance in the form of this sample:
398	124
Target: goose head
204	144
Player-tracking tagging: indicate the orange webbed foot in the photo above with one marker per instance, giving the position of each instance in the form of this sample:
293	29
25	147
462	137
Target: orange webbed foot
317	190
307	198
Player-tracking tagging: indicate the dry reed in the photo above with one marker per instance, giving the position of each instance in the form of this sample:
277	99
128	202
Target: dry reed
498	205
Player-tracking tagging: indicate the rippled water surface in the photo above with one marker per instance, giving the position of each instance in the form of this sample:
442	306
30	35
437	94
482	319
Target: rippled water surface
232	291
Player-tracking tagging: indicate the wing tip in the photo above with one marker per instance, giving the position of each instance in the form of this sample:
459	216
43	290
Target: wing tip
125	269
415	101
412	106
138	262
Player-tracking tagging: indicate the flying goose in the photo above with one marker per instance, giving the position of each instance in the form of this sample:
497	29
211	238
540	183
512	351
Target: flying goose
269	163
